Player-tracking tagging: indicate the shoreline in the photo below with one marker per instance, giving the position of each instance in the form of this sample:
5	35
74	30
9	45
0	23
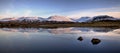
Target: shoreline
110	24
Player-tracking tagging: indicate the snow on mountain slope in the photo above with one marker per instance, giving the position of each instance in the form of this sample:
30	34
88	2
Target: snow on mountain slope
27	18
8	19
96	18
42	19
31	18
103	17
61	18
51	18
83	19
58	18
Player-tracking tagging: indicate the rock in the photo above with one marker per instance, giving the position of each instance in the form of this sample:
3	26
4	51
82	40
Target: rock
95	41
80	39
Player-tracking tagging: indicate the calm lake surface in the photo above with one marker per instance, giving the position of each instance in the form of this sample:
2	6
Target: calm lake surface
59	40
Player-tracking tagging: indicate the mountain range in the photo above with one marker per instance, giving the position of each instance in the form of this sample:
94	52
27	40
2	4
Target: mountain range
61	18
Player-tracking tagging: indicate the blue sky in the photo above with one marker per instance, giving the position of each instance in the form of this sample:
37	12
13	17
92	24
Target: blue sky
70	8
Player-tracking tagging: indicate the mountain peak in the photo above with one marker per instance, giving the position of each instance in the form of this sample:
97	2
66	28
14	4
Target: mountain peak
103	17
59	18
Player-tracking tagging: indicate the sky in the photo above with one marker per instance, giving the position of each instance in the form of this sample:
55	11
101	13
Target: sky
69	8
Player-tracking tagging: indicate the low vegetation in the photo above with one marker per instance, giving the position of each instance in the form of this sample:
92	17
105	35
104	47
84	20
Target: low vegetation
55	24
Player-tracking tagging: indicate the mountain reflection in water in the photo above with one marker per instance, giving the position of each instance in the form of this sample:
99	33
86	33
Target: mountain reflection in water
71	30
60	30
59	40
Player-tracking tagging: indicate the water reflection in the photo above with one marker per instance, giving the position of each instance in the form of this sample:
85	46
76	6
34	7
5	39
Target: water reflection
61	30
62	40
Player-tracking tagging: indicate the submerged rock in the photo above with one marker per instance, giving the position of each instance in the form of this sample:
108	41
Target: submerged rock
95	41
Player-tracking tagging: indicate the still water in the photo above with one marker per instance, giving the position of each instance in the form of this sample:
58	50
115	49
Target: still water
59	40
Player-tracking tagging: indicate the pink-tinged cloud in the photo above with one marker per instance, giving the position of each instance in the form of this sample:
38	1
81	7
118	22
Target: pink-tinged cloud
113	11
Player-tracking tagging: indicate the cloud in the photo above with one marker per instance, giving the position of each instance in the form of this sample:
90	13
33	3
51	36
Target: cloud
113	11
91	14
9	13
114	14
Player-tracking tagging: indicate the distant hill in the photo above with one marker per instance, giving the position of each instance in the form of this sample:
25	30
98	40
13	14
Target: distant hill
95	18
61	18
61	21
103	17
82	19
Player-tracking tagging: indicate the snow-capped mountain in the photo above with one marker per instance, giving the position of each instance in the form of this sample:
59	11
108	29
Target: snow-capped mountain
83	19
8	19
31	19
51	18
96	18
58	18
42	19
103	17
25	19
